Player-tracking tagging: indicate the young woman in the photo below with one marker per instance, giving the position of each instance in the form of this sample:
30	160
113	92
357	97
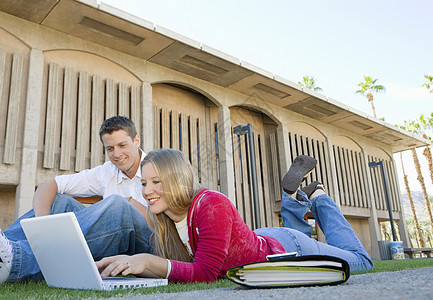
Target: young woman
199	234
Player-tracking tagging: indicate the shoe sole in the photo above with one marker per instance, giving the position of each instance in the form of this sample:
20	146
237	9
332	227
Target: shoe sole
312	187
301	167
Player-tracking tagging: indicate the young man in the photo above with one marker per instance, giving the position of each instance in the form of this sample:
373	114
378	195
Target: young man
118	181
121	175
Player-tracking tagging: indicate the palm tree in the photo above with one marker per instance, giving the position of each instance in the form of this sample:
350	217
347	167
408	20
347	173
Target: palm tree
310	83
428	82
423	124
412	206
367	88
411	126
413	234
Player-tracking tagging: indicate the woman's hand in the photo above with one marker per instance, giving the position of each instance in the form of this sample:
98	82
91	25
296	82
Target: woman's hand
142	265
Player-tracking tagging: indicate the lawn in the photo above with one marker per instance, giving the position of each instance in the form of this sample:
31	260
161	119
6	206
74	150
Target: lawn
39	290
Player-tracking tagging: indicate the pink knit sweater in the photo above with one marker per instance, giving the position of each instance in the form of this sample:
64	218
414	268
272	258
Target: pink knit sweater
219	240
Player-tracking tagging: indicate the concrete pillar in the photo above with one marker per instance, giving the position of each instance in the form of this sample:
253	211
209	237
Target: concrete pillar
332	173
225	153
372	220
147	119
283	149
27	180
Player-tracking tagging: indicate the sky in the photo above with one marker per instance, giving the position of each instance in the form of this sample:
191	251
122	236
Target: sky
335	41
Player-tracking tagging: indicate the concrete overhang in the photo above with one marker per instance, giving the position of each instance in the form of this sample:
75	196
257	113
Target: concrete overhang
113	28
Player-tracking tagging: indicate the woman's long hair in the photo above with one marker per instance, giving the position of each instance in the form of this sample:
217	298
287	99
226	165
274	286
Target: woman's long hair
180	186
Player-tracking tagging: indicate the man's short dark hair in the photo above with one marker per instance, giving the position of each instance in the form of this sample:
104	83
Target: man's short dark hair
118	123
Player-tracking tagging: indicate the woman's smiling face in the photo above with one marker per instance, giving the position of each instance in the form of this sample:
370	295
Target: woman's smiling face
153	192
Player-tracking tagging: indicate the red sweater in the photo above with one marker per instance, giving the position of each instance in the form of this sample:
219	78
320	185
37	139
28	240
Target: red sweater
219	239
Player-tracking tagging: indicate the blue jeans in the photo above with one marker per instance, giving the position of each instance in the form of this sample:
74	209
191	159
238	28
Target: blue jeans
112	226
341	240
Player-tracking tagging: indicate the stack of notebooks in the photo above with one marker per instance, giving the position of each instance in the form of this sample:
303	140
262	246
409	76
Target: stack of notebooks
291	272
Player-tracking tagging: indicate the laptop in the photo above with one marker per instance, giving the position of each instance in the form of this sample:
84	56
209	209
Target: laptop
65	258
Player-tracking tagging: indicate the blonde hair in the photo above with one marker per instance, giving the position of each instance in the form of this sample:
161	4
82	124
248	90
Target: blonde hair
180	186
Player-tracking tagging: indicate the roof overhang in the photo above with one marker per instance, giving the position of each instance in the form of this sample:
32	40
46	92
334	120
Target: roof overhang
113	28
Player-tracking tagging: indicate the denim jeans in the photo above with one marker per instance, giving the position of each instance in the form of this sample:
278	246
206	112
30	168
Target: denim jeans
341	240
112	226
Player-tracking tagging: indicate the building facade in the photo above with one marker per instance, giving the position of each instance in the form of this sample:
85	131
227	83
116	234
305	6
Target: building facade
66	65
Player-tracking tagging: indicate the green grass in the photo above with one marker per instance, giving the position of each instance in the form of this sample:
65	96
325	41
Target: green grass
399	265
39	290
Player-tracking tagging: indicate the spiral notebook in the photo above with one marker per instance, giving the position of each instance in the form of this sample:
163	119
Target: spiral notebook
65	259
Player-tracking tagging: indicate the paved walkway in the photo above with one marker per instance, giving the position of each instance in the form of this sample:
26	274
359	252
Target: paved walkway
410	284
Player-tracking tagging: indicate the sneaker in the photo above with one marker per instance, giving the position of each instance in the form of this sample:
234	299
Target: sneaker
312	187
302	166
5	258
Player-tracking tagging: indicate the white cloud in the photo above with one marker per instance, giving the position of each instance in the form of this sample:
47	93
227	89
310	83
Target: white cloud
402	92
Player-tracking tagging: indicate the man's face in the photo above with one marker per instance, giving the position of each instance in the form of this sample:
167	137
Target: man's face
123	151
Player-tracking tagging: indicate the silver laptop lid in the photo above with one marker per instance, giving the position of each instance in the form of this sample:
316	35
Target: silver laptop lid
62	252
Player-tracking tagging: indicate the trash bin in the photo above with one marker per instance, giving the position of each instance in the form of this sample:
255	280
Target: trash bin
384	250
396	249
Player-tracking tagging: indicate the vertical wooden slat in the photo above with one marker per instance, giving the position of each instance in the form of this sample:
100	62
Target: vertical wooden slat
66	135
237	170
325	157
184	128
346	178
110	101
83	122
392	185
319	175
356	178
135	107
123	100
298	145
390	190
165	128
13	109
360	180
96	157
274	160
305	152
289	159
304	145
51	115
293	143
175	130
344	195
2	70
245	183
193	143
351	179
378	182
262	206
363	174
269	201
204	152
374	184
311	153
156	127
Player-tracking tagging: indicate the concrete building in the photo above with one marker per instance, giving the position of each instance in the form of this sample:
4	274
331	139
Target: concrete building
66	65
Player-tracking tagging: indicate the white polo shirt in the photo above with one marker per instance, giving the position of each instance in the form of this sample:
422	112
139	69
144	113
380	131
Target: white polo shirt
103	180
